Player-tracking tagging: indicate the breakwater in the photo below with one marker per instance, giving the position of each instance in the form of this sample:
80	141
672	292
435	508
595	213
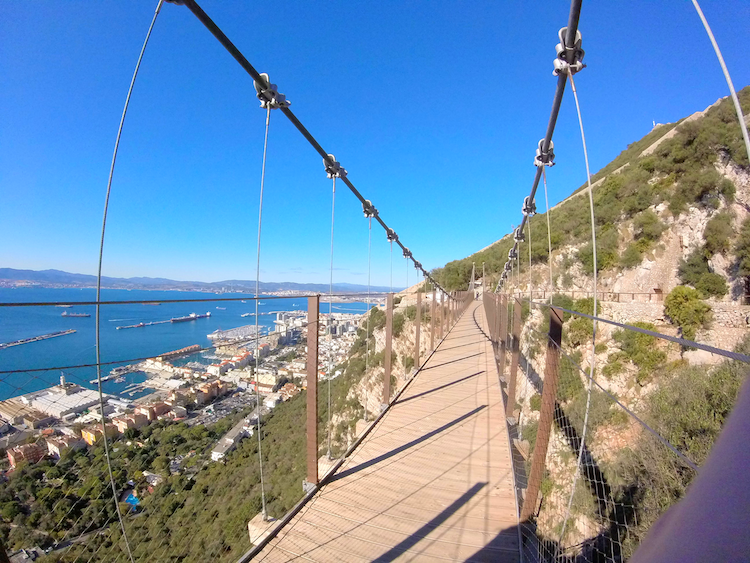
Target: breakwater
36	338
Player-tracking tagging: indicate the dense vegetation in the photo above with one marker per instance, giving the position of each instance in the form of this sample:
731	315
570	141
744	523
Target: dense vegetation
48	502
680	173
689	409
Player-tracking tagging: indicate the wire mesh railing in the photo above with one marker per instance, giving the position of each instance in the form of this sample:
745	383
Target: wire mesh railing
594	498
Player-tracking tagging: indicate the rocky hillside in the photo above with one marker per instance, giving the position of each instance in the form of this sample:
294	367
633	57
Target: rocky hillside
673	255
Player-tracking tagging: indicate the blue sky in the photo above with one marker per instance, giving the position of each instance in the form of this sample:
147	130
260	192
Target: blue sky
435	108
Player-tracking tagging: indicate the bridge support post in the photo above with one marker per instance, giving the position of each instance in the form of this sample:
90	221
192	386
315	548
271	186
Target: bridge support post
433	310
387	352
418	321
546	415
313	305
503	336
441	309
514	350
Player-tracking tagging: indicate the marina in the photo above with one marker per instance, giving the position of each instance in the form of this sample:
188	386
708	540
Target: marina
36	338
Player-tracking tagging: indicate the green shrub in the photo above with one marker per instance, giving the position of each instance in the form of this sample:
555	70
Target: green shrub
718	233
694	271
742	249
569	383
408	362
648	226
712	285
377	319
411	312
685	309
613	366
641	349
599	410
535	402
691	269
689	410
632	256
606	250
398	324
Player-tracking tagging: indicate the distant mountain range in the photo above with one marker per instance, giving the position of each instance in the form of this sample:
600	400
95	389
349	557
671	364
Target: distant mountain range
10	277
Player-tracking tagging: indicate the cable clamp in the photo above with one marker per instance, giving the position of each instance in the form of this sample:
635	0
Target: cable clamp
519	235
270	97
569	57
369	209
544	158
392	236
334	168
417	265
529	207
512	254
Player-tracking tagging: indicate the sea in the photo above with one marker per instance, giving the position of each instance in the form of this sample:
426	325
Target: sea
53	357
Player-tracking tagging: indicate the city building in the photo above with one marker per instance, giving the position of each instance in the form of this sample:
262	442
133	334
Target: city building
288	391
17	412
91	434
65	399
229	441
135	420
154	410
58	445
27	452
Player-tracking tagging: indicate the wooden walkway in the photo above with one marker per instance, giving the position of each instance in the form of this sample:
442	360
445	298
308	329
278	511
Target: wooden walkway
433	481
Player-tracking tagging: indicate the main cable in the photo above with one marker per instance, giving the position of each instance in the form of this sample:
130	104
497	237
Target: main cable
264	512
264	84
99	279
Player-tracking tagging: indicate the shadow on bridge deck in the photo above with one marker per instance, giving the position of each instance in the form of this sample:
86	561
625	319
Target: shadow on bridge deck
432	481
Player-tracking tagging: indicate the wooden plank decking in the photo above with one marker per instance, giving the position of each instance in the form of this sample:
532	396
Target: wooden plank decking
431	482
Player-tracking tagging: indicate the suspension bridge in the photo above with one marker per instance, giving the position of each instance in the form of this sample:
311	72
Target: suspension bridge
482	452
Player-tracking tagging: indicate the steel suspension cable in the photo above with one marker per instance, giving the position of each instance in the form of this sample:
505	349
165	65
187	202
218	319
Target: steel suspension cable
617	401
725	70
99	278
391	291
367	328
262	81
549	229
592	362
529	229
330	319
264	513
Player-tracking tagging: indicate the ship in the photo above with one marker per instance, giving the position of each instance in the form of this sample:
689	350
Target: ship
66	314
190	317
